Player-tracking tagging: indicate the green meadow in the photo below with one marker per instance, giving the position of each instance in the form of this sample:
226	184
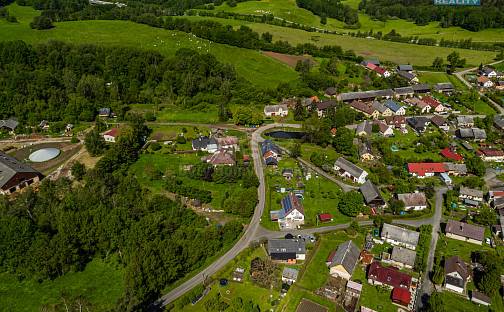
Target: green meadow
100	284
252	65
288	10
384	50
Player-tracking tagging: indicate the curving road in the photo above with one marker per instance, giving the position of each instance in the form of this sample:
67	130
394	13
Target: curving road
255	232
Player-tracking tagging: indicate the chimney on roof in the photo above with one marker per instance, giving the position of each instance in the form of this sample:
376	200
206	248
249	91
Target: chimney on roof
461	226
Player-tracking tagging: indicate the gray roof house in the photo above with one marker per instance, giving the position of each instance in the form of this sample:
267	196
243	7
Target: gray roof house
444	87
475	134
403	257
365	128
288	250
371	194
347	169
14	175
406	67
343	261
9	124
465	232
289	275
399	236
499	122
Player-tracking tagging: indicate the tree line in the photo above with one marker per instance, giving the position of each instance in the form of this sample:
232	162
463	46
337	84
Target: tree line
64	82
474	18
60	228
330	8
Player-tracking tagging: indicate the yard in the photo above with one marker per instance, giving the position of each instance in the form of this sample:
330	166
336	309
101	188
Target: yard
320	195
315	273
247	290
452	247
101	283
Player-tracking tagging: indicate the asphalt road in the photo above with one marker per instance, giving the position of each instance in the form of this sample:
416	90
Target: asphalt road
427	287
250	232
255	232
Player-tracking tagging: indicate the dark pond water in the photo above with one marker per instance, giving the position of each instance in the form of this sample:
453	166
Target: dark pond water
286	134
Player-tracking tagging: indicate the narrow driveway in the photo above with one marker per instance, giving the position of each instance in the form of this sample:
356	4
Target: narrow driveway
427	287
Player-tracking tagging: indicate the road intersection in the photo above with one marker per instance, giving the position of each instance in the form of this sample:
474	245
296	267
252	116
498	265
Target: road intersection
255	232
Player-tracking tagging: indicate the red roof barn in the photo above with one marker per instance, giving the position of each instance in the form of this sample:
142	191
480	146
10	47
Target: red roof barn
448	153
401	296
325	217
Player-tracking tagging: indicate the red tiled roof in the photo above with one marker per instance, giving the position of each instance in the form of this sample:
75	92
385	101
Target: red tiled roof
422	168
366	257
483	79
448	153
401	296
491	152
395	120
379	70
114	132
325	217
389	276
432	102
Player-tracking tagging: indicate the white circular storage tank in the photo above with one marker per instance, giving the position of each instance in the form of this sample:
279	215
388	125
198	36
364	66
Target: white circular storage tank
44	154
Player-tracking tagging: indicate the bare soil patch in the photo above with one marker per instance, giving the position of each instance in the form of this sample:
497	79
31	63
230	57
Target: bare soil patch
289	59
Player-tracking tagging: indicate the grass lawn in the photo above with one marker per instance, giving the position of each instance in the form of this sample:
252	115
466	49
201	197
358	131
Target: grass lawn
321	195
465	305
252	65
288	10
173	113
439	77
173	164
101	283
384	50
316	272
246	290
452	247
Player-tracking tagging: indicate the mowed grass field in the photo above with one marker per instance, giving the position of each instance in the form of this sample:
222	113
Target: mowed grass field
252	65
288	10
384	50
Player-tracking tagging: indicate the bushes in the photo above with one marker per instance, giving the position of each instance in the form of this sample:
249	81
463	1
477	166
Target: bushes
177	186
41	22
422	250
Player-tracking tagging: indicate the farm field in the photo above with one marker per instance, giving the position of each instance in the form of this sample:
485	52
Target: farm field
371	48
101	283
288	10
252	65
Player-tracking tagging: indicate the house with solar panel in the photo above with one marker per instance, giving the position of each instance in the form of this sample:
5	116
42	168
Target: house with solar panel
292	215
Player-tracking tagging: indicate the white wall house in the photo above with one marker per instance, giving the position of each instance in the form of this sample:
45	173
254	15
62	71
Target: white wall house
280	110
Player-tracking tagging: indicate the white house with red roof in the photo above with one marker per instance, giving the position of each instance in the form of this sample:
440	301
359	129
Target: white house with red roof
434	104
380	71
111	135
491	155
422	170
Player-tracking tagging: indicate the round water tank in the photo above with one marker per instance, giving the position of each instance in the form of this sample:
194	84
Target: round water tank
44	154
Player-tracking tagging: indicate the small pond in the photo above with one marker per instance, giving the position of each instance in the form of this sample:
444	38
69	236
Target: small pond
286	134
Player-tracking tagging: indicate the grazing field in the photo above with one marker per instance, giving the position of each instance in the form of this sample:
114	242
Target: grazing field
370	48
252	65
288	10
101	284
439	77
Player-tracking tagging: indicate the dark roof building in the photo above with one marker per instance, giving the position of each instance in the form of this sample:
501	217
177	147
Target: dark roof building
286	249
406	75
421	88
9	124
14	175
444	87
419	124
371	194
406	68
464	231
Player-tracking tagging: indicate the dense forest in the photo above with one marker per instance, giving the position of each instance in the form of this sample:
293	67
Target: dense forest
330	8
489	15
46	234
58	81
